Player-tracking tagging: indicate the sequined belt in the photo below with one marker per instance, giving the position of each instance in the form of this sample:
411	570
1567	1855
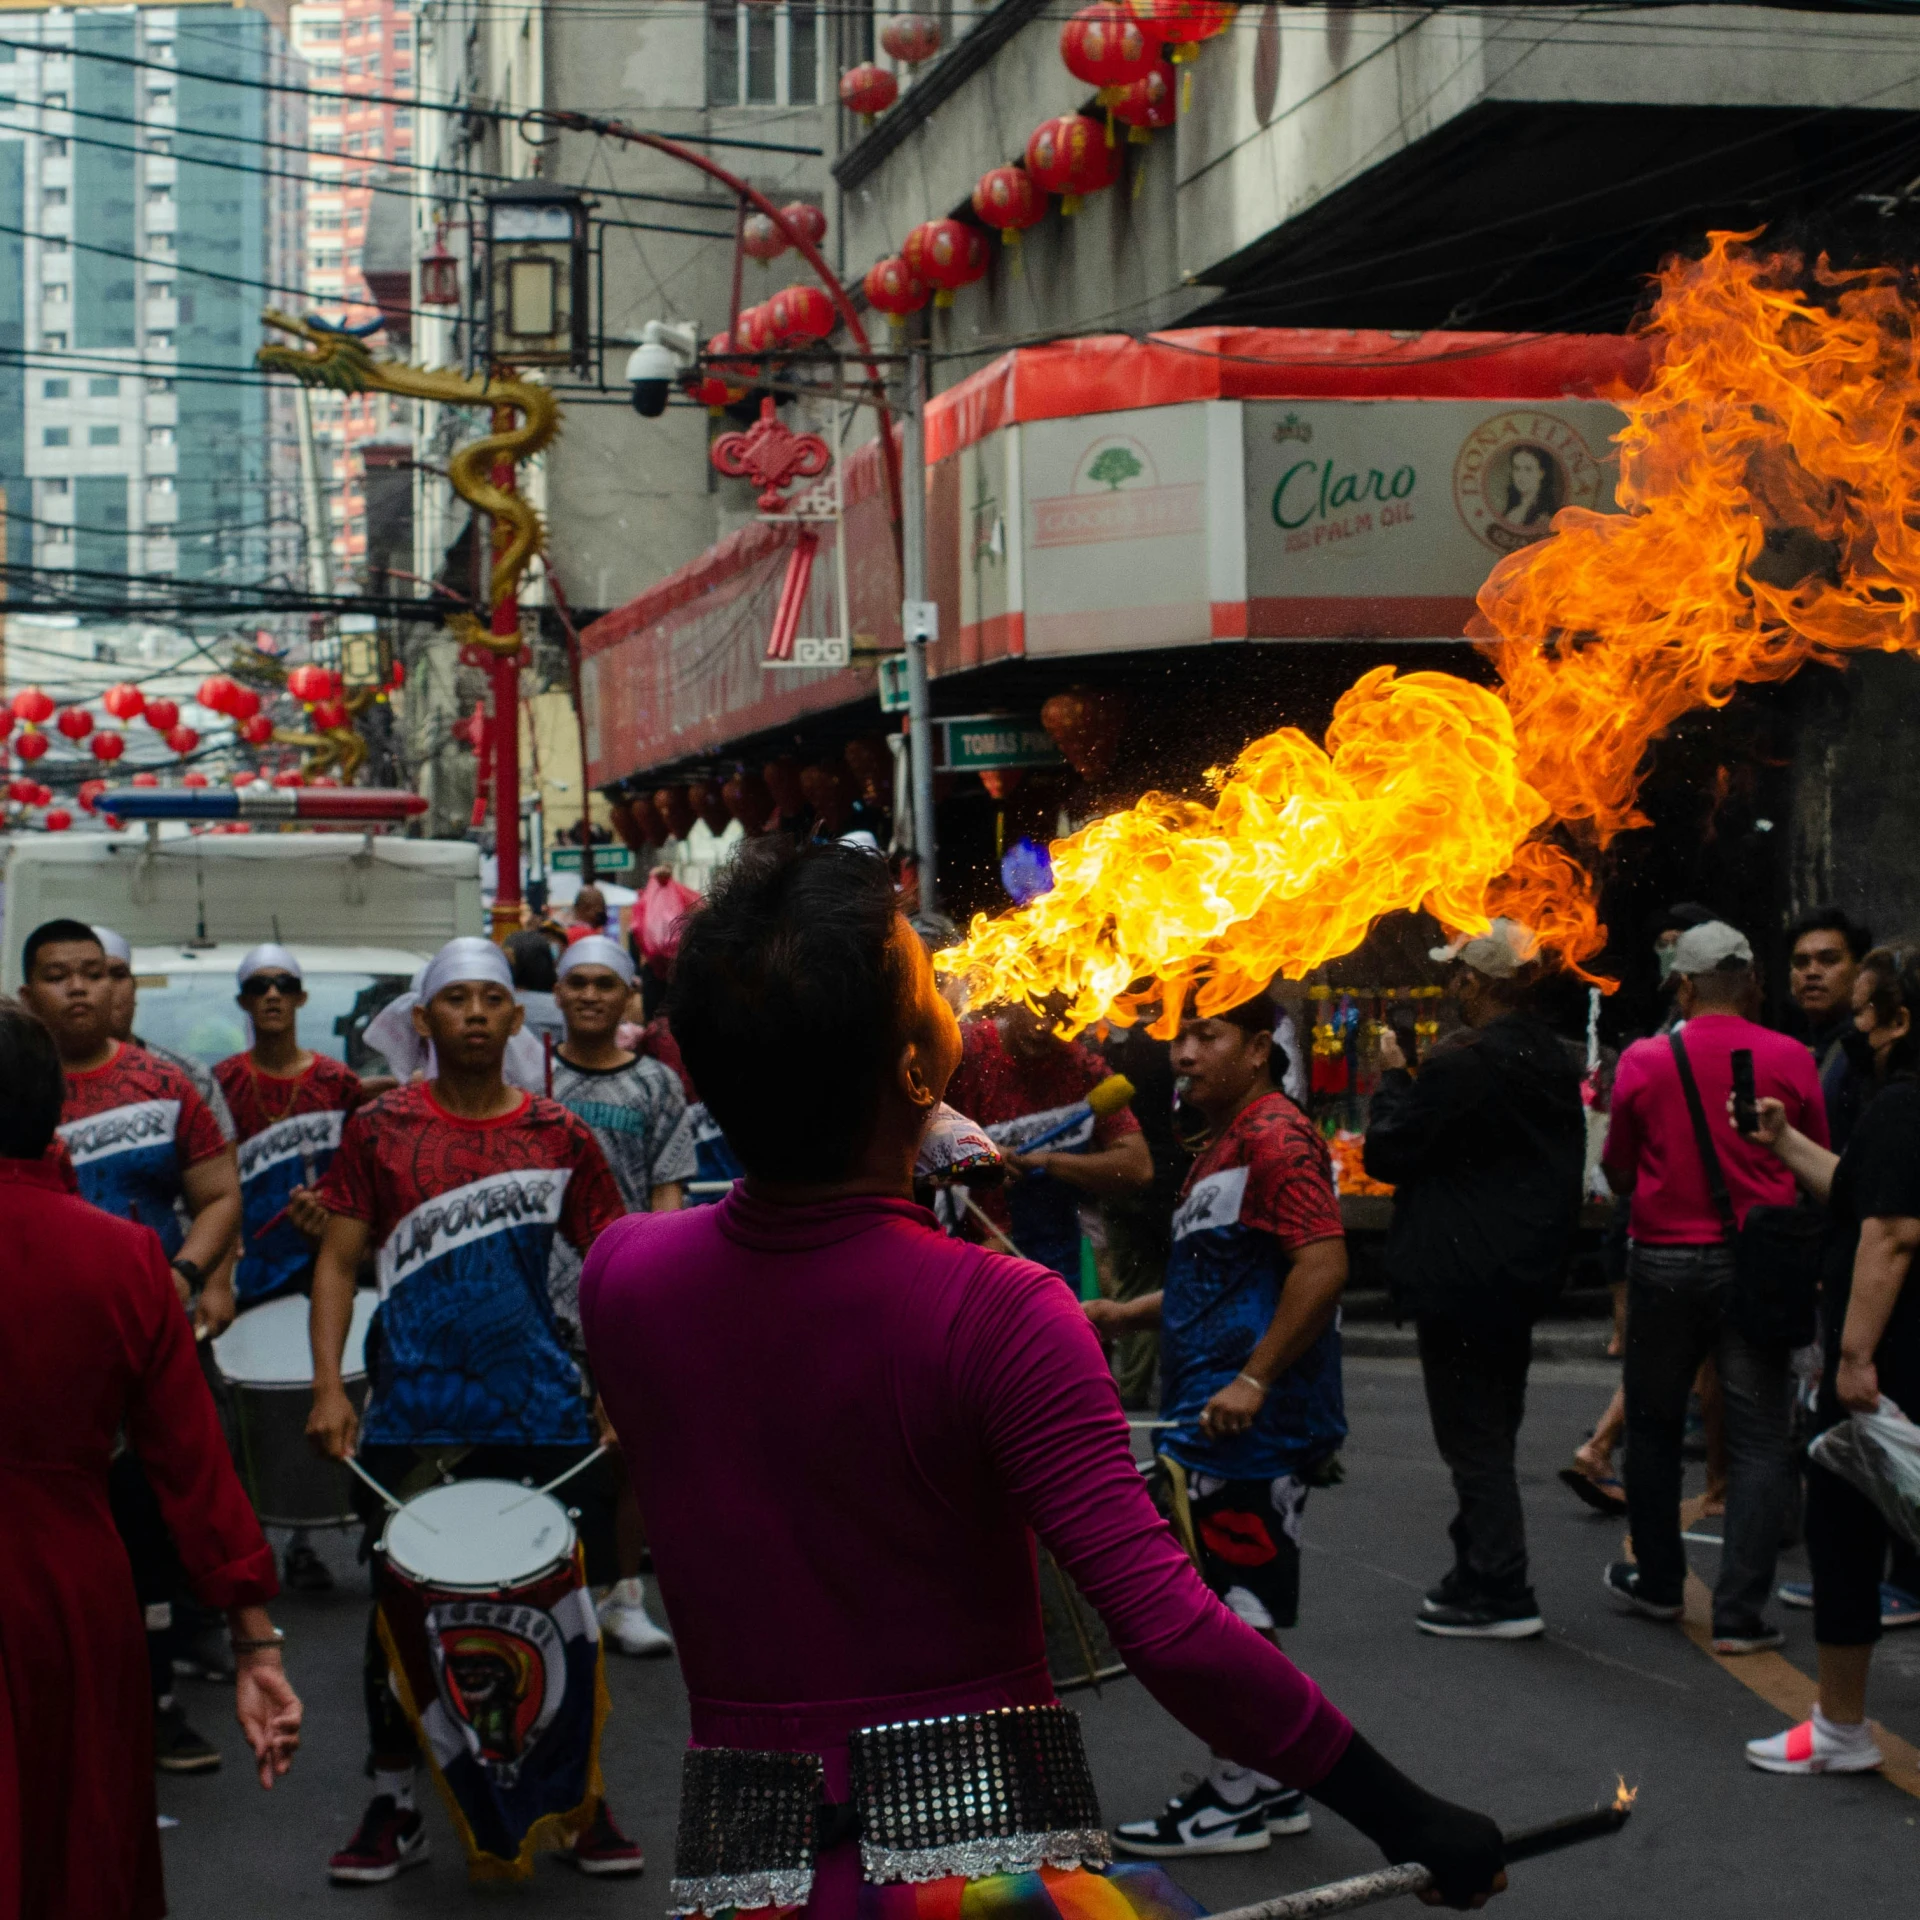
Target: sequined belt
1007	1791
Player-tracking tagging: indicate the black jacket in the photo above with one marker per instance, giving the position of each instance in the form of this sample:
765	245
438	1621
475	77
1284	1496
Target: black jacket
1485	1151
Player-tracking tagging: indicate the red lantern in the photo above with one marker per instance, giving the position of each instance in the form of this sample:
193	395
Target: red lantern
826	792
783	782
1070	156
748	800
59	820
33	705
999	781
162	715
870	760
215	692
21	792
291	778
806	220
42	794
1103	46
146	779
182	739
704	797
1009	198
75	723
911	38
439	277
1182	24
194	779
1086	725
89	794
1148	103
675	810
800	315
753	331
868	90
946	254
323	780
123	700
761	238
30	746
244	705
893	288
256	730
308	684
243	778
6	721
107	746
330	715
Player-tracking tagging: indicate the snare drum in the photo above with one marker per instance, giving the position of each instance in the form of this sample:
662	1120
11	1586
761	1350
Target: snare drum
266	1359
478	1536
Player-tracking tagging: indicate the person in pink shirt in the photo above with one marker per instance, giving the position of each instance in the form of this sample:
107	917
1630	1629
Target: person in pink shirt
821	1396
1680	1279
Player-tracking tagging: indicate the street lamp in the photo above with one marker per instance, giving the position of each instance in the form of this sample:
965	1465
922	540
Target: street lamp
538	310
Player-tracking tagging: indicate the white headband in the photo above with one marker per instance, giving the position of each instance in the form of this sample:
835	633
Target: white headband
115	945
596	950
467	958
268	954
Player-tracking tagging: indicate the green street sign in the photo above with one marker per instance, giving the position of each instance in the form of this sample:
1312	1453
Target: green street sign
980	742
607	859
893	683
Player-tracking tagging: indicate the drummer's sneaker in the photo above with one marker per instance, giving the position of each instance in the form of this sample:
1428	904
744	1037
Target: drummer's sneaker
1201	1821
625	1621
1818	1745
302	1570
176	1747
603	1848
390	1839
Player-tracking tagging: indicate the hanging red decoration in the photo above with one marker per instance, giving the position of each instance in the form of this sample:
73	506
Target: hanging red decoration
89	794
31	746
194	779
868	90
215	692
911	38
123	700
162	715
244	705
870	760
1147	104
1009	198
946	254
713	389
805	221
146	779
1000	781
1086	725
761	238
6	721
58	820
311	683
331	715
108	746
75	723
749	800
182	739
801	315
708	803
1104	46
826	791
256	730
33	705
20	792
753	331
675	810
439	276
291	778
1070	156
1183	24
783	782
772	456
893	288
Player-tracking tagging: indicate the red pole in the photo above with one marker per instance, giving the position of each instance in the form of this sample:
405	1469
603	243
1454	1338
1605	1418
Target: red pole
506	725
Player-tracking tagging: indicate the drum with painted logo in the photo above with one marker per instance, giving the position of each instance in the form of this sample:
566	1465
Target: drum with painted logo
266	1360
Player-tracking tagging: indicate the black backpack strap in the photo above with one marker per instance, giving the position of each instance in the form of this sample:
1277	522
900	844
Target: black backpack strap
1703	1139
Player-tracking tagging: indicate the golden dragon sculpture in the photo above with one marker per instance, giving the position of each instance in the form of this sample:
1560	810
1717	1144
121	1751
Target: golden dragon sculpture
341	748
337	358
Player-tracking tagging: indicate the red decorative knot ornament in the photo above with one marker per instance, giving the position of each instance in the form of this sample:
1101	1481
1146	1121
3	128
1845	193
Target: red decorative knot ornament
801	315
123	700
1009	198
805	220
772	456
911	38
868	90
75	723
1070	156
950	254
162	715
893	288
761	238
1104	46
1147	104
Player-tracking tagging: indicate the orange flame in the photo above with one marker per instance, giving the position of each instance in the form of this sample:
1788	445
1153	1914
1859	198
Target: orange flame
1623	1795
1770	476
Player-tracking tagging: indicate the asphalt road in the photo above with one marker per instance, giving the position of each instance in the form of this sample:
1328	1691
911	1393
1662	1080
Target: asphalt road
1526	1730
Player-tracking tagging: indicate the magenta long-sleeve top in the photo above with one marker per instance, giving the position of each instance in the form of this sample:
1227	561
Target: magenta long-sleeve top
844	1429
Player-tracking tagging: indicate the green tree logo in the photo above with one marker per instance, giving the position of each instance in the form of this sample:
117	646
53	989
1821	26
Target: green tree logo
1115	467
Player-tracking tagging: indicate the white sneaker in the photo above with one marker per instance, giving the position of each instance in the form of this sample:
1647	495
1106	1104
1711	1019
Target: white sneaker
627	1624
1816	1746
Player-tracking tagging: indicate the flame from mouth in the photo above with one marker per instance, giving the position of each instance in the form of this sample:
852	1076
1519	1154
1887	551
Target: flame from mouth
1770	481
1624	1796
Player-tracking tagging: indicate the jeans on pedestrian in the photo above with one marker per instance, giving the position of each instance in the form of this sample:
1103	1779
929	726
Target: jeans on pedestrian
1677	1300
1476	1380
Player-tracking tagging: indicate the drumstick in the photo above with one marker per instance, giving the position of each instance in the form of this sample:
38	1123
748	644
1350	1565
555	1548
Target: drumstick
579	1466
353	1466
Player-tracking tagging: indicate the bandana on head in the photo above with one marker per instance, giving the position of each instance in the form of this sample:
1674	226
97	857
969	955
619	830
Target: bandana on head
596	950
467	958
115	945
268	957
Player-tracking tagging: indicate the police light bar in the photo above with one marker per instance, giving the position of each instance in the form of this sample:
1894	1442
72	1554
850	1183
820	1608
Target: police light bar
276	805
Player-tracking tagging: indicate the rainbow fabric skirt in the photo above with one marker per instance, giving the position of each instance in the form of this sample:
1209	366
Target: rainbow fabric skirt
1129	1891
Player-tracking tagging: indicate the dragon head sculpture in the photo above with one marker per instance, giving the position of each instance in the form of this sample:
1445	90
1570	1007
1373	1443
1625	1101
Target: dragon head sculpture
339	356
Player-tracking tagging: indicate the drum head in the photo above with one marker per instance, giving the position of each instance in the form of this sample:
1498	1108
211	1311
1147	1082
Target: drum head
478	1535
268	1346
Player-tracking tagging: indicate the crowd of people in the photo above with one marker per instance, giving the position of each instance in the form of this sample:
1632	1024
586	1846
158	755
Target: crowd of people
607	1249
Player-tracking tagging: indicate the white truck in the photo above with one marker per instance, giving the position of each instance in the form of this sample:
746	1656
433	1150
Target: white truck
360	912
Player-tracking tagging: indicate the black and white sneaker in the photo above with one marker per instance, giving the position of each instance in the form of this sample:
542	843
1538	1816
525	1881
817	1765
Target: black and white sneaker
1286	1810
1482	1617
1199	1821
1453	1590
1623	1582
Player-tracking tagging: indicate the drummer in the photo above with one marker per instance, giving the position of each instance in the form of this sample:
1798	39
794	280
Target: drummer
458	1186
288	1105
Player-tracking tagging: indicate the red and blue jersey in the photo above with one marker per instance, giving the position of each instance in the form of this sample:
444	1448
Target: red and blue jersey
131	1130
465	1349
1261	1192
289	1130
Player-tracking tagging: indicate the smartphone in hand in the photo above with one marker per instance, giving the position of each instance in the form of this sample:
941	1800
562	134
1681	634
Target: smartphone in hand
1746	1111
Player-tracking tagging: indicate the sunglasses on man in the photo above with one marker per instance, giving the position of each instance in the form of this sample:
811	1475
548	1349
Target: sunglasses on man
259	985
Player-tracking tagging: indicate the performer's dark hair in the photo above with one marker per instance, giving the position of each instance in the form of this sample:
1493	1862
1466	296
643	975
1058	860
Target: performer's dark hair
31	1086
54	933
787	1004
1831	920
530	956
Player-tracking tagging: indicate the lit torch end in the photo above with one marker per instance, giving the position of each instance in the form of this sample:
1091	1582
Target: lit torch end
1609	1817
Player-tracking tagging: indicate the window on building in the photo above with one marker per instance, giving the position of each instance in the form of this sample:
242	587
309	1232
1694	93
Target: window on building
159	196
160	96
159	436
54	389
161	343
53	197
322	30
52	488
54	102
402	40
55	293
402	117
54	342
103	386
161	242
327	142
54	148
160	143
159	289
762	56
56	437
103	436
53	243
158	386
326	218
160	483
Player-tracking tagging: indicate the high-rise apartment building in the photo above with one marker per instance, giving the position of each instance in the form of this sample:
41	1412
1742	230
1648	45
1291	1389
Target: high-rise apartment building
361	53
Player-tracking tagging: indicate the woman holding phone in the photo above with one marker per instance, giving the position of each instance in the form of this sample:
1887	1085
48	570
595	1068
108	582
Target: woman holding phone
1872	1347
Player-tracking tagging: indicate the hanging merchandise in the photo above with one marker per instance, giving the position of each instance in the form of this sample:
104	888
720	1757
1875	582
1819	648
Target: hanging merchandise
1104	46
1147	105
893	288
761	238
911	38
800	315
946	254
1071	156
868	90
1009	198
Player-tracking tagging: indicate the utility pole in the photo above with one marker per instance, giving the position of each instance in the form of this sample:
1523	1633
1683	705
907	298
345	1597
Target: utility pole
919	620
505	669
313	504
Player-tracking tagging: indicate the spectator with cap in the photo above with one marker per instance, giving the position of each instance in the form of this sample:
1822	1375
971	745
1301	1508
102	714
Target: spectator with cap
1485	1149
1680	1279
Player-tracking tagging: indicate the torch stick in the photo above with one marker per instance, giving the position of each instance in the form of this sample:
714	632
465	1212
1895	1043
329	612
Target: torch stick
1343	1896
